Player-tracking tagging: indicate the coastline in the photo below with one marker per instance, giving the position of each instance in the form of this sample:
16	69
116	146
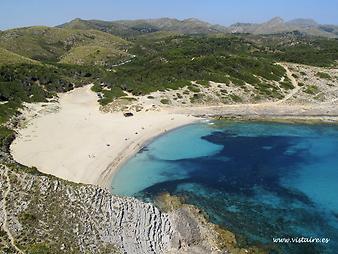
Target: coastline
106	177
74	140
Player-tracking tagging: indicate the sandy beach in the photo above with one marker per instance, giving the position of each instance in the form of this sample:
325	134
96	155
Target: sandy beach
74	140
80	143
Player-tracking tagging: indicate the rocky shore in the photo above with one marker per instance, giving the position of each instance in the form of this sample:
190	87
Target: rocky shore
44	213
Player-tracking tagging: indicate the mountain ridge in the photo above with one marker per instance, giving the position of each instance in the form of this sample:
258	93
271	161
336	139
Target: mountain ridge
278	25
131	28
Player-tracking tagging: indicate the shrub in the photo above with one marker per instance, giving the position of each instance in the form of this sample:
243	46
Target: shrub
323	75
287	85
165	101
312	89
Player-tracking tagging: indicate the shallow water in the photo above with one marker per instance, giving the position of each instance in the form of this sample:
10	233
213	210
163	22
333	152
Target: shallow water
259	180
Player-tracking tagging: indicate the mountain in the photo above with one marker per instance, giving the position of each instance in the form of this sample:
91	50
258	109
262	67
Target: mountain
130	28
54	44
278	25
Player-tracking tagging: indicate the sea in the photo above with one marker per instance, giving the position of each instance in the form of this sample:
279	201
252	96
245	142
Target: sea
274	185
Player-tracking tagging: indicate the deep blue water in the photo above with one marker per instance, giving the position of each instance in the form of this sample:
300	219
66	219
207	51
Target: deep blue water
259	180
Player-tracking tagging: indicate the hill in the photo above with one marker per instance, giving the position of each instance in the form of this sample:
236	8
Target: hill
278	25
131	28
53	44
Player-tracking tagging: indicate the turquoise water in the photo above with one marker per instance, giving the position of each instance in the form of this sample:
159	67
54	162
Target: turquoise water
259	180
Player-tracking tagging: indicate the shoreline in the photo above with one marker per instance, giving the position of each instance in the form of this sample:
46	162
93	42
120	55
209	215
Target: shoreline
75	141
112	169
106	177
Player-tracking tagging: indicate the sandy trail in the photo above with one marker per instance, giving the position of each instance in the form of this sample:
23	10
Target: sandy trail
82	144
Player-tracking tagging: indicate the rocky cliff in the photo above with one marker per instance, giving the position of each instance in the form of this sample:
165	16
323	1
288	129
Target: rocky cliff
43	213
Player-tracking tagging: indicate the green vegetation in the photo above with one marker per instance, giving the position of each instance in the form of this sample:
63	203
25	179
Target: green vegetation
38	62
107	95
7	57
39	248
37	82
94	55
287	84
110	95
154	28
165	101
311	89
54	44
323	75
266	90
194	89
6	138
27	218
297	48
175	61
204	83
235	98
30	82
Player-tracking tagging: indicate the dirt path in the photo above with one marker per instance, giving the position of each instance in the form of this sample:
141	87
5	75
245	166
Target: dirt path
4	210
294	83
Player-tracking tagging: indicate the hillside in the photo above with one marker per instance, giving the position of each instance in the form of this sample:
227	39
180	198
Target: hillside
131	28
154	61
94	55
246	63
164	60
7	57
53	44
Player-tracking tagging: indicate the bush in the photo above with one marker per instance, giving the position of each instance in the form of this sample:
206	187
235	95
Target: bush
323	75
312	89
194	89
287	85
27	218
165	101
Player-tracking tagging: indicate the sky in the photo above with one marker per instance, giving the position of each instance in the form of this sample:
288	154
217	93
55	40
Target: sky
18	13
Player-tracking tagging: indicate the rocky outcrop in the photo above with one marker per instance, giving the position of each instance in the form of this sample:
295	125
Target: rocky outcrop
46	213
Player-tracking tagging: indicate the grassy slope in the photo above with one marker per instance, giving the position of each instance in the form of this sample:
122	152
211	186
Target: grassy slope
7	57
93	55
51	44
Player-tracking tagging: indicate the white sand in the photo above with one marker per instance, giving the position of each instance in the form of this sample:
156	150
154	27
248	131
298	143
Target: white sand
79	143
